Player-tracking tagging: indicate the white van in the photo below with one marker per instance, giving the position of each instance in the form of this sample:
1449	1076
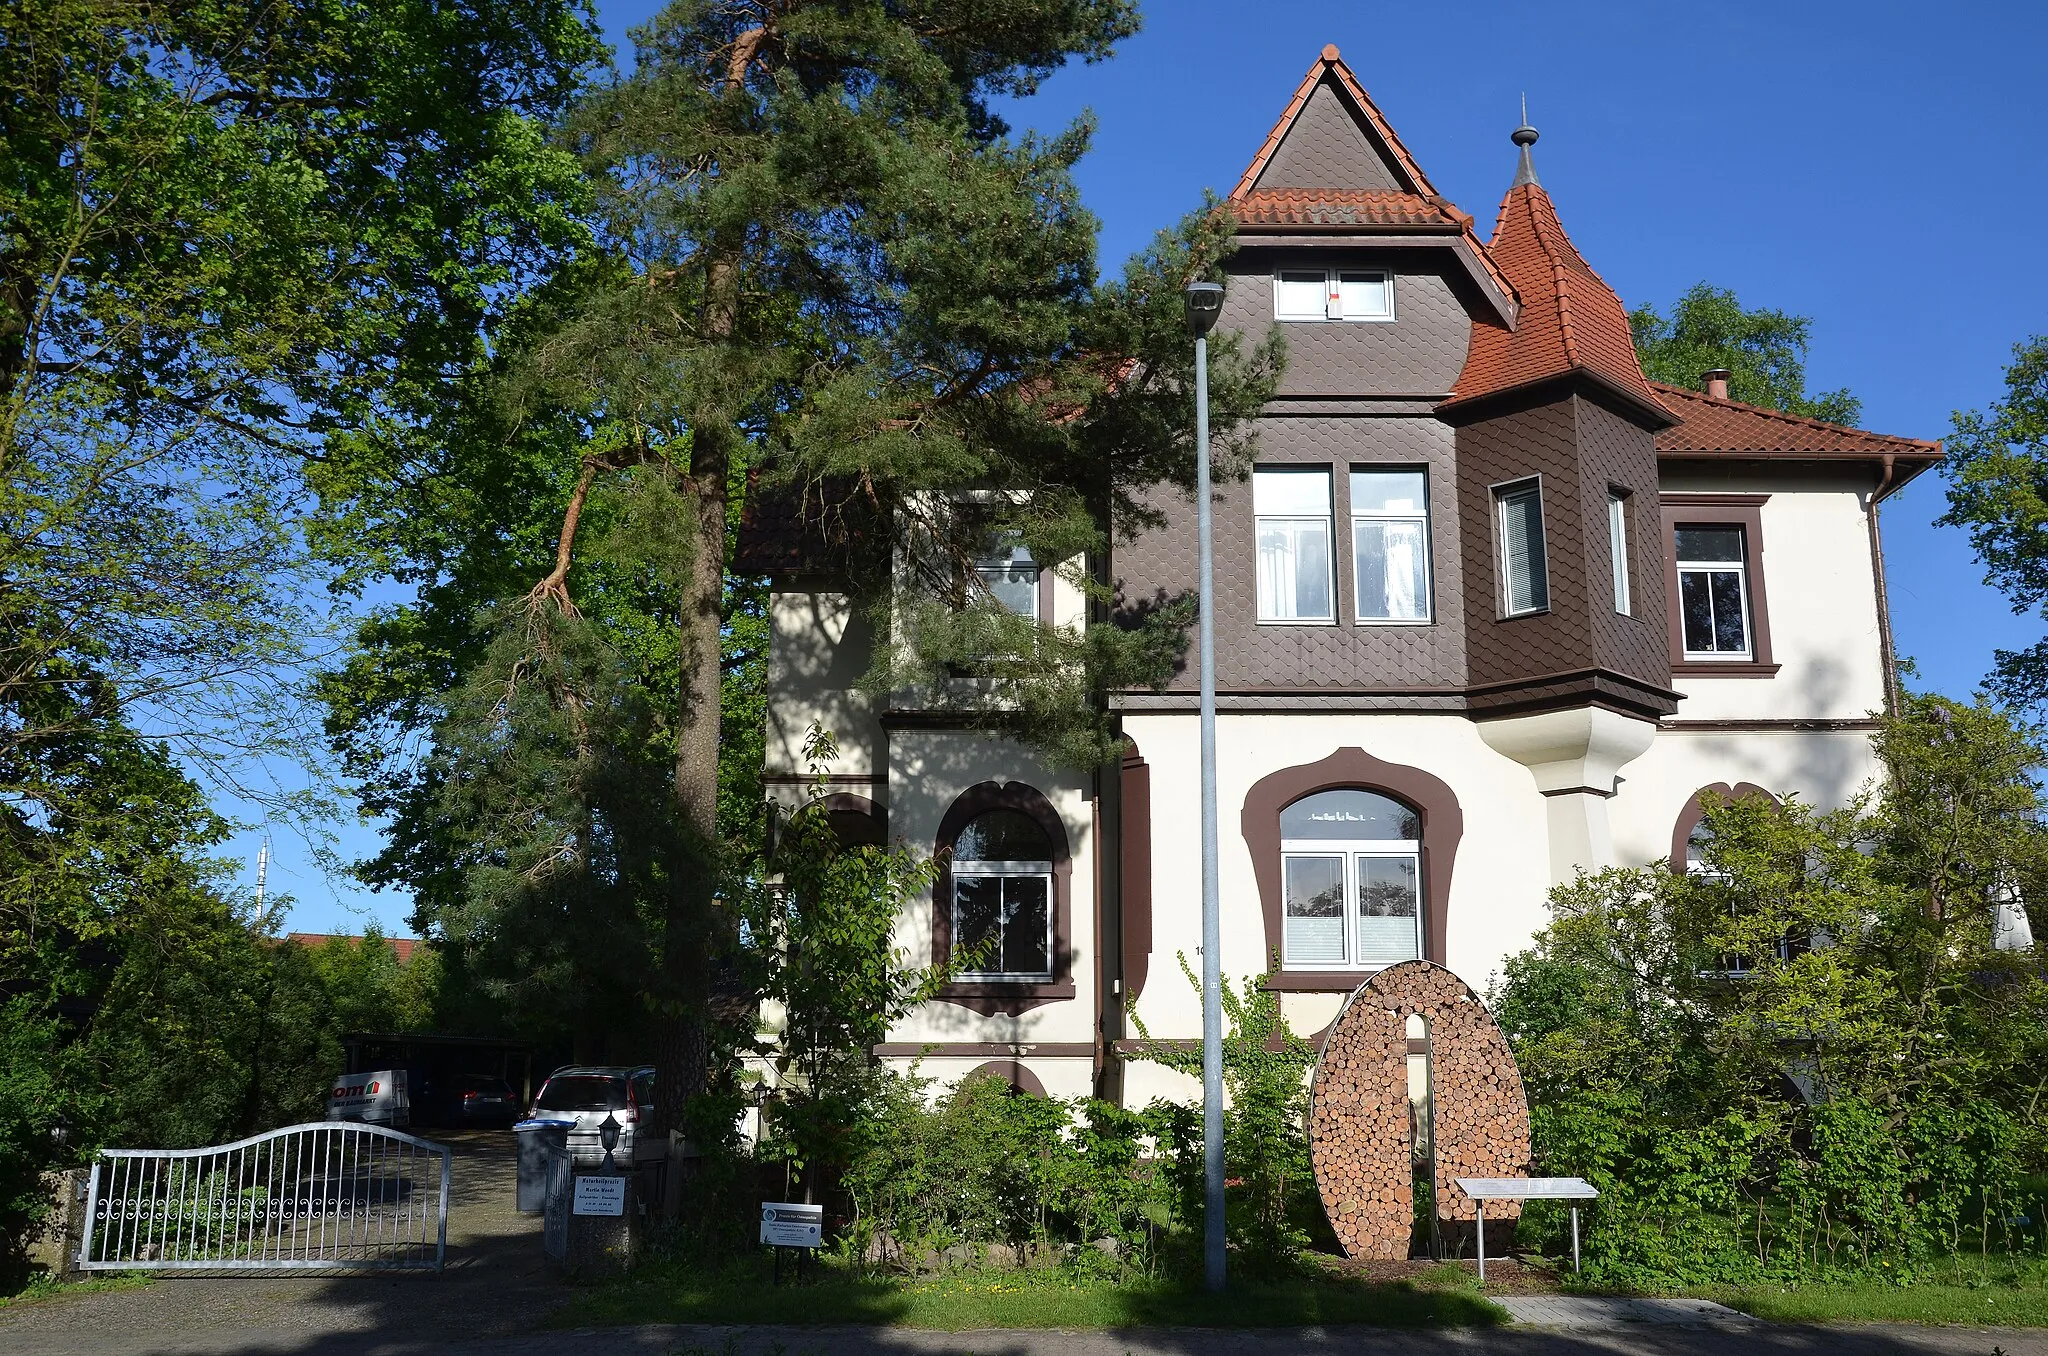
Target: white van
378	1098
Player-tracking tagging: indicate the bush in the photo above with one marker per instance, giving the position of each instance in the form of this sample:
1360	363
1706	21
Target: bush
1857	1097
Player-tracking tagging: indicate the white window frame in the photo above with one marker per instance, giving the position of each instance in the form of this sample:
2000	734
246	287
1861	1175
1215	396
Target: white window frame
1420	517
976	870
1505	493
1617	548
994	563
1329	525
1739	567
1351	850
1332	307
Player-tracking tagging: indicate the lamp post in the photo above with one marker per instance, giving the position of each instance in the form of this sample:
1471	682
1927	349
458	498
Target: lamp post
1204	305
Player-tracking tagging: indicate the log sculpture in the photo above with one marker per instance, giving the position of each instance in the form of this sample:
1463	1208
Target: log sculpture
1358	1108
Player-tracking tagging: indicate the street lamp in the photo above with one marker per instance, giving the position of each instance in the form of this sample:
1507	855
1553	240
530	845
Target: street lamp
608	1136
1204	305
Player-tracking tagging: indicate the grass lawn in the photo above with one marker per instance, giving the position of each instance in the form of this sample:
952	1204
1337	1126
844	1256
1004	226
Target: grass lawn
42	1286
745	1293
1996	1294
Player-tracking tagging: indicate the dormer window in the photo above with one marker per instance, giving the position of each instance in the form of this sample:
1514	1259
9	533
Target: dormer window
1333	294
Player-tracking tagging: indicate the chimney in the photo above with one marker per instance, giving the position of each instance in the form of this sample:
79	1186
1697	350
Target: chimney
1716	382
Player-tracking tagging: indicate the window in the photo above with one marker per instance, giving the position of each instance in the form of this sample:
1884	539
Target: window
1351	882
1713	592
1293	511
1333	294
1010	575
1617	547
1002	897
1525	575
1390	545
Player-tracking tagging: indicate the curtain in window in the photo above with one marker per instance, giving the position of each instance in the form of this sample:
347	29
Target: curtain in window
1393	580
1387	909
1294	570
1314	891
1528	581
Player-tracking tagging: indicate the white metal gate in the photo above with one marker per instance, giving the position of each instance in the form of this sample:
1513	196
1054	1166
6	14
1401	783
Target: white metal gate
323	1195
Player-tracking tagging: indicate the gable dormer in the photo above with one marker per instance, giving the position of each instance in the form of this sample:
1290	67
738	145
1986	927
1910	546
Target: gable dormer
1376	277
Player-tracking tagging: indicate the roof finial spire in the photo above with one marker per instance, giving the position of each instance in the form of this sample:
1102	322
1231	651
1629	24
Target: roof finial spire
1525	137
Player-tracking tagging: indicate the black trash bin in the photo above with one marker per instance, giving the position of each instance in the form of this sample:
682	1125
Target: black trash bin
536	1139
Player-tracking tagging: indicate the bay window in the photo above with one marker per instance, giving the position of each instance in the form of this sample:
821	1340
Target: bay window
1525	572
1390	545
1292	508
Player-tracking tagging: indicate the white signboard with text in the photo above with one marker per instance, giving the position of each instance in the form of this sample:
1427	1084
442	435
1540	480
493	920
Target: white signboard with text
377	1098
787	1225
599	1196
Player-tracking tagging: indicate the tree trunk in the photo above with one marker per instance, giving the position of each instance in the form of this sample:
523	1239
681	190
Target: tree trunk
683	1036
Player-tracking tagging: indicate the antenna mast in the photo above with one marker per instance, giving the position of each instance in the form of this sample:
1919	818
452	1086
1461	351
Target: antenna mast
262	875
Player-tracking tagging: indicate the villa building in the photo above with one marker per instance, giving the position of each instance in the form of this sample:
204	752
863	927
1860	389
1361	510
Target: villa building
1491	608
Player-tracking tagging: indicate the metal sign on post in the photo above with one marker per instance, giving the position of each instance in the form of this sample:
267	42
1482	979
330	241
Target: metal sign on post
599	1196
787	1225
1484	1189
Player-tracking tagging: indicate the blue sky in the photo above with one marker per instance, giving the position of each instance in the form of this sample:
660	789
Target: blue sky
1876	166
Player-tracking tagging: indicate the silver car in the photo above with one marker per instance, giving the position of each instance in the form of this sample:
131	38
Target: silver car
585	1094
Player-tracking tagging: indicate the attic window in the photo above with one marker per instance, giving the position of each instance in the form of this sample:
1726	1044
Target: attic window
1333	294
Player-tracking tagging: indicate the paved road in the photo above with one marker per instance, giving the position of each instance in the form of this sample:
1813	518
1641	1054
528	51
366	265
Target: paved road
497	1287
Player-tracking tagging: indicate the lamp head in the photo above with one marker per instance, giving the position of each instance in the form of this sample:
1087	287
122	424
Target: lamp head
1204	302
608	1132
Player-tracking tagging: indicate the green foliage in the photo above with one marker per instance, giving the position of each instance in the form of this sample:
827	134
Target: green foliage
1808	1060
822	946
226	231
1997	470
1764	352
1270	1213
988	1164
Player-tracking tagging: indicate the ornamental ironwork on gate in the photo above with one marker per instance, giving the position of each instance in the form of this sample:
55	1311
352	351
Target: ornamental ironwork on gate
320	1196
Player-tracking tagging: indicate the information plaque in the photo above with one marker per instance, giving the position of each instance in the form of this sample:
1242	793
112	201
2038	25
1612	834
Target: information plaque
787	1225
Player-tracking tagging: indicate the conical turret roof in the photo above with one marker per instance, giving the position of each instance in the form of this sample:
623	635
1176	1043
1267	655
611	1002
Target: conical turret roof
1571	322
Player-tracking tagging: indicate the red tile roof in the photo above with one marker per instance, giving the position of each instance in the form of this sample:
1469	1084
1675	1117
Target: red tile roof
1731	428
1424	206
1345	207
401	947
1571	321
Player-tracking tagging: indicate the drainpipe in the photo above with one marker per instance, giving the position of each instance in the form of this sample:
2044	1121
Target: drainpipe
1889	655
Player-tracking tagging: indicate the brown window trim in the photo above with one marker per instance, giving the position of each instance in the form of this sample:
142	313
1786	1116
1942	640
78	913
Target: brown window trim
1719	510
1134	875
1692	812
1012	997
1443	824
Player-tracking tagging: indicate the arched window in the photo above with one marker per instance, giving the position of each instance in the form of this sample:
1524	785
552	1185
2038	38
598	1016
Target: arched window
1351	881
1003	898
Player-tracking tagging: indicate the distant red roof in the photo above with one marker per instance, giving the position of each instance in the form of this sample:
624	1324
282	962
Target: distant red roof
1719	427
401	947
1571	321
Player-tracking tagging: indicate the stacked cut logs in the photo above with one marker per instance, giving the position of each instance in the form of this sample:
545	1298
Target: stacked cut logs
1358	1116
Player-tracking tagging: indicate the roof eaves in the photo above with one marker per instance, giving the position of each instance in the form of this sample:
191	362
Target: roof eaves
1653	412
1901	445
